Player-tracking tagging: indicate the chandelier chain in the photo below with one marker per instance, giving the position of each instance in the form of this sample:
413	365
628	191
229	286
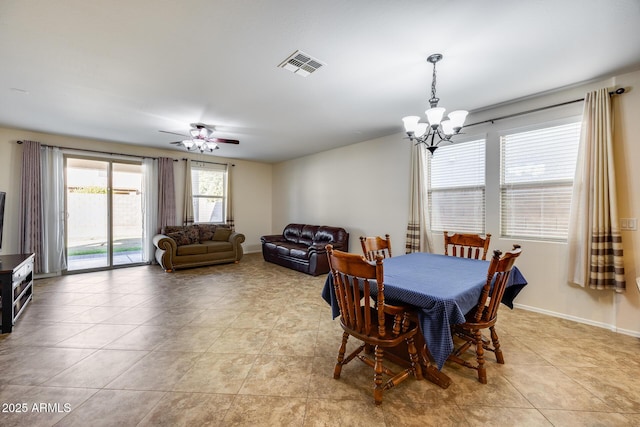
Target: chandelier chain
433	83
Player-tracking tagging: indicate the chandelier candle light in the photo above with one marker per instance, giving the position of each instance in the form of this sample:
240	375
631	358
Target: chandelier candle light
425	133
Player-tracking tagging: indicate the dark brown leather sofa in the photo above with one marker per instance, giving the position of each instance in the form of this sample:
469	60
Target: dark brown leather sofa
302	247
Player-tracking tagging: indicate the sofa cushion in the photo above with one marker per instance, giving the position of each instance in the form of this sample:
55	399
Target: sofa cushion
308	234
206	231
212	246
326	235
193	249
222	234
271	245
292	232
299	253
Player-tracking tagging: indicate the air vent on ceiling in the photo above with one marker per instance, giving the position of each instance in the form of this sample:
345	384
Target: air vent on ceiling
300	63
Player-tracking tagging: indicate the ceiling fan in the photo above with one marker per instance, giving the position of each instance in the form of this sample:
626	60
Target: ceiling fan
200	139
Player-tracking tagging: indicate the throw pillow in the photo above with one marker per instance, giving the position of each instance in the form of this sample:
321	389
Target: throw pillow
179	237
192	233
222	234
206	231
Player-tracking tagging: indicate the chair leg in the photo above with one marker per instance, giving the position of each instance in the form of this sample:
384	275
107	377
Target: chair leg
343	348
377	377
496	345
413	356
482	371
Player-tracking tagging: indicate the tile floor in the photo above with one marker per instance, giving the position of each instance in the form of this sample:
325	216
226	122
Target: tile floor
253	344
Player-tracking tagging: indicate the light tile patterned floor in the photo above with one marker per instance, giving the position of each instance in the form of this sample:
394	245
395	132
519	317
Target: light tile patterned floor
253	344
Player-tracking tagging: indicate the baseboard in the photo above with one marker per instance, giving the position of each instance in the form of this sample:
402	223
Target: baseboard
579	320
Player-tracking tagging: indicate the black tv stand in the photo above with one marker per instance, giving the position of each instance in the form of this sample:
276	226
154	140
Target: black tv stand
16	284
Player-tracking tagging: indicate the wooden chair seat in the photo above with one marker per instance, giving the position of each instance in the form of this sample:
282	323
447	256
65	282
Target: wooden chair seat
485	315
366	316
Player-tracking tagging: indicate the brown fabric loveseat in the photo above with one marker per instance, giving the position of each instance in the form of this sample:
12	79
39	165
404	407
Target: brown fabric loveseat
197	245
302	247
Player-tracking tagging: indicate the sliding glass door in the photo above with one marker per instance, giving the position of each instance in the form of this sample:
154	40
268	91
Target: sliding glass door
103	213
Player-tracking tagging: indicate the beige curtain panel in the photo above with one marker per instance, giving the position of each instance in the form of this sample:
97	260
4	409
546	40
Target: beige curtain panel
229	213
418	239
166	193
595	242
30	225
187	213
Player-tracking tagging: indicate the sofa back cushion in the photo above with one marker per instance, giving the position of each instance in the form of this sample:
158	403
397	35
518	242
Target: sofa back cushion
334	235
308	234
222	233
291	232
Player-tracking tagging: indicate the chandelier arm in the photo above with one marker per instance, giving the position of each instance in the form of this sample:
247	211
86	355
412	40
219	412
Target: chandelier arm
433	137
442	138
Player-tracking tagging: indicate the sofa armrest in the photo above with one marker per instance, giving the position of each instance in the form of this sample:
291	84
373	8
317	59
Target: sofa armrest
236	238
166	251
164	242
272	238
317	248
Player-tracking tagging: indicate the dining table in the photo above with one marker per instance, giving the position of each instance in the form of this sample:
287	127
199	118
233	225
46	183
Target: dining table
441	289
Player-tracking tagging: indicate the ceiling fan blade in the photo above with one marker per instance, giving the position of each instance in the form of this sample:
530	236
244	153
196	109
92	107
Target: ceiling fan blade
225	141
174	133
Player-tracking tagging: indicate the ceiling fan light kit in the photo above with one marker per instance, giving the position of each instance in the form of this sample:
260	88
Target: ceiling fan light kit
201	139
426	133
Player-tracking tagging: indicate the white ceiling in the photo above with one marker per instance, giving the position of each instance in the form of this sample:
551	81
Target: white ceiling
121	70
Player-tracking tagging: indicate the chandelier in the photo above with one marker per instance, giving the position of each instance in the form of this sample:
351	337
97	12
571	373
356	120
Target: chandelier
200	140
436	130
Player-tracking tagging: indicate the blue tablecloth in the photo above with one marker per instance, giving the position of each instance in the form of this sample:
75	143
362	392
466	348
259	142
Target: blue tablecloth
442	288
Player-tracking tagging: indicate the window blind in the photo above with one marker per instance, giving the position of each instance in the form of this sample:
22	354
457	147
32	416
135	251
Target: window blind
537	170
456	187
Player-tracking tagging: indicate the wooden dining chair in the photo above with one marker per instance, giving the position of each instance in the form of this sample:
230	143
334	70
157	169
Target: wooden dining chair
466	245
373	246
485	315
365	315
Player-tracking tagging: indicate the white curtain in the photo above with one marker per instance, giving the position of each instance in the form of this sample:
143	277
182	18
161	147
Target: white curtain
418	230
595	243
187	213
53	247
149	207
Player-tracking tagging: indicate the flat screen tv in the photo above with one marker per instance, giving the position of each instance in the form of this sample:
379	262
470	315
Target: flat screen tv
2	197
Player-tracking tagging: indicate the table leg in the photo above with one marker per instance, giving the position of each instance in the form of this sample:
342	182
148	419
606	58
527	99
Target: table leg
400	356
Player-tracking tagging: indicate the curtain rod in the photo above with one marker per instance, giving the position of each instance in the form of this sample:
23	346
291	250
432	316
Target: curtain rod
213	163
98	151
618	91
119	154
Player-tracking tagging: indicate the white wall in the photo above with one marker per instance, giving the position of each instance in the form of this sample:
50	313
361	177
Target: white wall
364	188
361	187
251	182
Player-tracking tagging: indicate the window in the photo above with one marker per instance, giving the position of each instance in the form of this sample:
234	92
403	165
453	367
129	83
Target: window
209	190
537	169
456	187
